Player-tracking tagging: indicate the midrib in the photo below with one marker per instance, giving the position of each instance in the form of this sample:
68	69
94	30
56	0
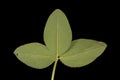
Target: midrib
57	52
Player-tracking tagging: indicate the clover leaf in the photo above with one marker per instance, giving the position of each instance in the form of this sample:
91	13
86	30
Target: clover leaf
59	46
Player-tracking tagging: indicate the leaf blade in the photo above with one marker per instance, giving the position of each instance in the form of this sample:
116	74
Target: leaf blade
34	55
86	51
57	33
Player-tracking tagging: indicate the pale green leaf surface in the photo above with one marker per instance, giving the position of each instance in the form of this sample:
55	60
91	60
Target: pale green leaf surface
57	33
34	55
82	52
58	37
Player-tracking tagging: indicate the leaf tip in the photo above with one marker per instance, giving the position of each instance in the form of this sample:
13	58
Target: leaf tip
57	11
15	53
103	44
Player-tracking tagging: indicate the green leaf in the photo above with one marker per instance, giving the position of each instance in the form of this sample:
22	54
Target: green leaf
34	55
57	33
58	37
82	52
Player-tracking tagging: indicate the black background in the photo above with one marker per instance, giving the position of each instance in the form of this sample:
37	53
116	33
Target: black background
23	22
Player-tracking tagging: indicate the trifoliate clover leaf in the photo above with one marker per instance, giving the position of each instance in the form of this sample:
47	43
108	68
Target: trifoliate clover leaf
59	46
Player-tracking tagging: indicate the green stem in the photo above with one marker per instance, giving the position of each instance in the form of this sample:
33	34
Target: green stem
54	68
